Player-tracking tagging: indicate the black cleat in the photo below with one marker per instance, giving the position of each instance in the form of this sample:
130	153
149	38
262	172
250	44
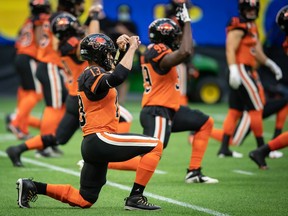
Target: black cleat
139	202
196	176
27	192
259	159
14	154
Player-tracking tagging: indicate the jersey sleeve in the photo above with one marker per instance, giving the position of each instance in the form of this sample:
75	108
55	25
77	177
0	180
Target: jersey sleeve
236	23
157	51
69	47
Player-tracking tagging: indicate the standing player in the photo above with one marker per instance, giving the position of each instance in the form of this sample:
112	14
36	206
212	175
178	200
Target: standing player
68	31
50	72
30	92
243	50
259	155
99	118
161	112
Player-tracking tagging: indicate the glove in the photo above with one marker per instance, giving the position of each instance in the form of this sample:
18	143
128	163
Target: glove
234	76
183	14
274	68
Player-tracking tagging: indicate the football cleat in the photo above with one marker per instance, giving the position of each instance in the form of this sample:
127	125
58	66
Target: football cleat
27	192
259	159
196	176
275	154
14	154
139	202
233	154
17	132
50	152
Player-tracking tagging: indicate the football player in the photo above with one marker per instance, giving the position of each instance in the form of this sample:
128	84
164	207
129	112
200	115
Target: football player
243	51
29	92
68	32
99	119
281	141
161	111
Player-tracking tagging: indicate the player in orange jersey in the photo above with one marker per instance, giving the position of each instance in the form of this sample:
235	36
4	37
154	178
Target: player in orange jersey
281	141
243	50
161	111
276	106
30	92
50	72
68	31
99	119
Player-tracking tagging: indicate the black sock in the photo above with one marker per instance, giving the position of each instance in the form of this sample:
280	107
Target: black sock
41	187
225	144
265	150
277	132
22	147
260	141
137	189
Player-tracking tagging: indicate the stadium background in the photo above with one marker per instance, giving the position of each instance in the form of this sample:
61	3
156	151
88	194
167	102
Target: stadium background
209	19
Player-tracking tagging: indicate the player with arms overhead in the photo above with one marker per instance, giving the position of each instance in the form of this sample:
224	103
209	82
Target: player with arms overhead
161	112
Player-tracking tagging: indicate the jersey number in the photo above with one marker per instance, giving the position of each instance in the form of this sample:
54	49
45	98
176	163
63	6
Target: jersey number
82	114
146	79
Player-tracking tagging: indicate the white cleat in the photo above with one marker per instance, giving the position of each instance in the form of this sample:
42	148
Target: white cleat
275	154
233	154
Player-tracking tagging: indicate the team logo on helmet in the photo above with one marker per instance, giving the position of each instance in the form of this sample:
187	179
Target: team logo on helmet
165	28
62	23
97	42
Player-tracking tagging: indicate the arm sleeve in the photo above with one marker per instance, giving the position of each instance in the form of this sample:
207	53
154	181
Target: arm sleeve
112	80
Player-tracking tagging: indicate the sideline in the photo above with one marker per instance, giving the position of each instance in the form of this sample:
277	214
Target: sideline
122	187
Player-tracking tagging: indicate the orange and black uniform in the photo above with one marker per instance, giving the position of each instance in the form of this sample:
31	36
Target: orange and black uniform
247	97
26	48
161	111
50	73
70	122
99	119
30	91
73	68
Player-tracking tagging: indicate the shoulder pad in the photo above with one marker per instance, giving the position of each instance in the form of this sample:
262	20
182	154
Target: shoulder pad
237	23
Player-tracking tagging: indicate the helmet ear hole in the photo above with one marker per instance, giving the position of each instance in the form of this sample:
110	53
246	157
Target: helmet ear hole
95	48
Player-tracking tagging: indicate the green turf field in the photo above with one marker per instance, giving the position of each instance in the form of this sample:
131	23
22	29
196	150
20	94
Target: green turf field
243	188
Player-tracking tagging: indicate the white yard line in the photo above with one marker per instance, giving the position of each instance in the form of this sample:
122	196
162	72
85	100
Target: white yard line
122	187
243	172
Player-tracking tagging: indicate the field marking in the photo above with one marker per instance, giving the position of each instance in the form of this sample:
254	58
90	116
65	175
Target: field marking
7	137
122	187
243	172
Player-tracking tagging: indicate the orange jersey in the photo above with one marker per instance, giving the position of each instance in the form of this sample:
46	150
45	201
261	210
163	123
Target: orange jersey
97	113
160	89
285	45
46	53
246	50
26	41
72	66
